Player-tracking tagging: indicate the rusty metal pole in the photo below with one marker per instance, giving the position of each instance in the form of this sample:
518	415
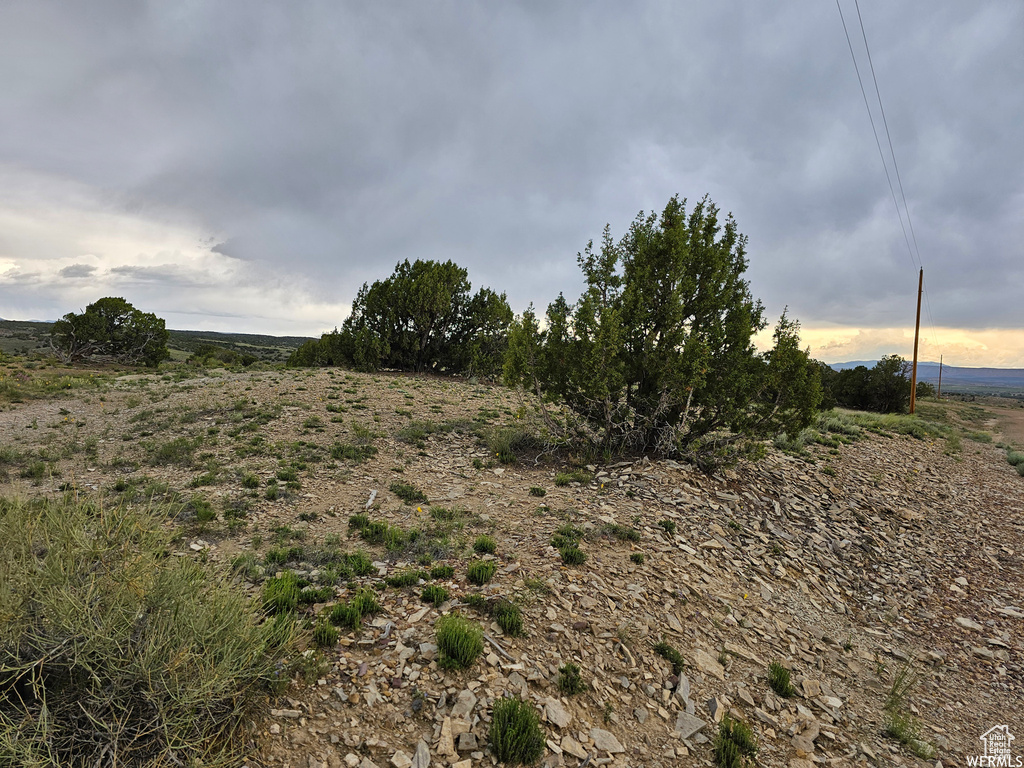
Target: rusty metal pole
938	395
917	335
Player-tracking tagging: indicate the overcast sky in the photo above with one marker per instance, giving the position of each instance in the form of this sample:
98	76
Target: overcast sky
245	166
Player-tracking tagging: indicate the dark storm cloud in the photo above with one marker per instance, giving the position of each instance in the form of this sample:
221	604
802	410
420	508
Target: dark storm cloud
333	140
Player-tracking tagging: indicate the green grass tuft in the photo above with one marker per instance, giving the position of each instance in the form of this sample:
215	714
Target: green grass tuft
778	680
408	493
442	572
666	651
570	681
406	578
432	593
480	572
281	593
509	617
572	555
735	745
515	735
485	545
325	635
459	641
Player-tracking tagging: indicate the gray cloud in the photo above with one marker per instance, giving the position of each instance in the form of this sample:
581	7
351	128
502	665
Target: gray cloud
331	140
77	270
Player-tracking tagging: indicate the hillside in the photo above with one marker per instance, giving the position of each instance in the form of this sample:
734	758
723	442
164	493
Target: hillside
28	337
870	553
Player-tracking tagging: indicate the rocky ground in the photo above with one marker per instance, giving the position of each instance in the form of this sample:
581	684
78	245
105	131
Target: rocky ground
886	553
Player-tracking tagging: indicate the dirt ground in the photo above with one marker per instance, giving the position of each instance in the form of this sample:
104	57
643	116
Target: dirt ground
843	564
1009	425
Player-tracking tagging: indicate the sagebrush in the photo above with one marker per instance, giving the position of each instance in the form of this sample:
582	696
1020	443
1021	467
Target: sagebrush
145	660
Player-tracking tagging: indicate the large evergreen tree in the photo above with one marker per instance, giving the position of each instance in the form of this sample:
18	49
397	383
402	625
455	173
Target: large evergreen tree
657	354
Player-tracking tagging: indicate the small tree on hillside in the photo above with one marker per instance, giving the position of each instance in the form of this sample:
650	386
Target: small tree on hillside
657	354
111	327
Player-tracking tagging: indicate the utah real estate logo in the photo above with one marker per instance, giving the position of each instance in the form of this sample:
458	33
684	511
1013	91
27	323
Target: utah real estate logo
998	751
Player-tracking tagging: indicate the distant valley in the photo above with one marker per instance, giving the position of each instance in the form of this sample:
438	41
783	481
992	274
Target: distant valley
981	381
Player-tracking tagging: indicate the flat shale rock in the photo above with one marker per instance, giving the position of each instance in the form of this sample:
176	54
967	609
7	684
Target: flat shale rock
606	741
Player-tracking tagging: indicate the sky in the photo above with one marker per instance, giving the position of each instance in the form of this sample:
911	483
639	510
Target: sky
245	166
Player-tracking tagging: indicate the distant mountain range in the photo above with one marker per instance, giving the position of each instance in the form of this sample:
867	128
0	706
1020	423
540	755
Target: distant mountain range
959	379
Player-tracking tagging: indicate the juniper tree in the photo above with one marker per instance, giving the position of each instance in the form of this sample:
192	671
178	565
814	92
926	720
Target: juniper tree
657	353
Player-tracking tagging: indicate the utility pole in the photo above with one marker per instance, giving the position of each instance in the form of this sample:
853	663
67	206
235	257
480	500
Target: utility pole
938	395
917	334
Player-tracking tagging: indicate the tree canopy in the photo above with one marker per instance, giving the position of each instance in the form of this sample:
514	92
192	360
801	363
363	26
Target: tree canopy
114	328
885	387
423	317
657	353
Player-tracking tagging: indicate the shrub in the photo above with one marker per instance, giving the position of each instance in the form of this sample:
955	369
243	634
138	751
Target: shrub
735	744
358	522
359	563
515	735
485	545
405	578
570	681
311	595
778	680
668	526
573	555
346	615
538	491
506	442
442	572
408	493
899	723
637	557
669	653
282	555
459	641
281	593
623	532
435	594
420	318
366	603
480	572
509	617
477	602
168	663
580	476
1016	458
354	453
325	635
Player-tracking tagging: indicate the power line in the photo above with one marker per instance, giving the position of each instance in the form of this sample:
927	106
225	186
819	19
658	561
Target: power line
874	130
885	123
878	95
